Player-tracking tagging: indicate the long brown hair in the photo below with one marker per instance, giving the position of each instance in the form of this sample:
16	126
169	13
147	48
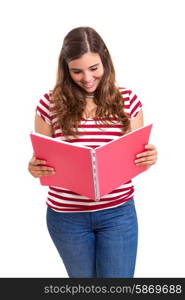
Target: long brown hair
69	99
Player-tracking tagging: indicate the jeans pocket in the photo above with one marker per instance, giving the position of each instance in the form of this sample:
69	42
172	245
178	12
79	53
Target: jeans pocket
53	219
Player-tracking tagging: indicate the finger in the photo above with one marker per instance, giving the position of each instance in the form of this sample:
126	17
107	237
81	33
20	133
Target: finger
146	153
43	173
39	168
46	173
35	162
146	163
145	159
150	146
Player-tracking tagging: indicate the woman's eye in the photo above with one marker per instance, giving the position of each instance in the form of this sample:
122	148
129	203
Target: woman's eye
77	72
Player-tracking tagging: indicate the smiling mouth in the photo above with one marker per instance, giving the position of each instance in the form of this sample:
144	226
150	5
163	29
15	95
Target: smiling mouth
89	85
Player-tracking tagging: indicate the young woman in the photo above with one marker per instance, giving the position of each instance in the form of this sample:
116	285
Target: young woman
87	107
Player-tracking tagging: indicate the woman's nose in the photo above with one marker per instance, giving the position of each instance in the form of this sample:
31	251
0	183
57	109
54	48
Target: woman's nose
87	78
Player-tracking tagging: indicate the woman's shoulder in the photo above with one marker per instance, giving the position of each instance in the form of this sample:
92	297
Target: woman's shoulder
125	93
128	94
46	97
49	93
125	90
132	103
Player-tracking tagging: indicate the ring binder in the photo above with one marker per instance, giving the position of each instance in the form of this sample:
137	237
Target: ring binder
86	171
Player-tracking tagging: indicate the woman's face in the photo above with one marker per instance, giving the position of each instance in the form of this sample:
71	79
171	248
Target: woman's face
87	71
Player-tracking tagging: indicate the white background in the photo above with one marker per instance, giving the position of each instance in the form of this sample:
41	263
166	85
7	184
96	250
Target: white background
146	42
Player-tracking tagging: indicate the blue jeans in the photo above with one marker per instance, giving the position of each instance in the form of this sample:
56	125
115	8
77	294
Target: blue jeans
96	244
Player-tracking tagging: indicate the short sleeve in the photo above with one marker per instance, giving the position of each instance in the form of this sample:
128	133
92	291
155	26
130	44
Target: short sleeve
132	103
43	108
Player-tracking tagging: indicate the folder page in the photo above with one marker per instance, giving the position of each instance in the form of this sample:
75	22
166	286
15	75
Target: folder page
115	160
73	164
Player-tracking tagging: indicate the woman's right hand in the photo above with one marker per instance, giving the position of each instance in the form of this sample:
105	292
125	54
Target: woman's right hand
36	168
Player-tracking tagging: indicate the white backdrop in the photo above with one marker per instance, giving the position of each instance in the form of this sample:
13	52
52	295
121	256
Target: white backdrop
146	42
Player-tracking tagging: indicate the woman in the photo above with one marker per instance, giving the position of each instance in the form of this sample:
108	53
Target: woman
86	107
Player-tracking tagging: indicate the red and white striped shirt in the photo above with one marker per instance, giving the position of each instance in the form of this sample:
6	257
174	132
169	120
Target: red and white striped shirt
91	135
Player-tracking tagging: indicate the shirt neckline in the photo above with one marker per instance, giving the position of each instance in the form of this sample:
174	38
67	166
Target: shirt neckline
95	118
89	118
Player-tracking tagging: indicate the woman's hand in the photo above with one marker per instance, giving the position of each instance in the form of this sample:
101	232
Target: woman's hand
147	158
36	168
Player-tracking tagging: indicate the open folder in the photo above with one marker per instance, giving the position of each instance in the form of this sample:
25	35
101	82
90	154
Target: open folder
91	172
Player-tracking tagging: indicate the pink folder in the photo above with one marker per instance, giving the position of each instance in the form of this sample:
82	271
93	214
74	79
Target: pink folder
91	172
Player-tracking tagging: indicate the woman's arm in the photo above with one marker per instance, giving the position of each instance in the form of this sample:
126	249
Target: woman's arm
138	121
35	166
42	127
149	157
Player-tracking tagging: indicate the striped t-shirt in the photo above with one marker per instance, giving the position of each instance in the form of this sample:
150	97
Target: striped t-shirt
91	135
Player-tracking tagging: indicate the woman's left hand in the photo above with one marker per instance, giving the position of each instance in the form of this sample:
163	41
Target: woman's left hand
147	158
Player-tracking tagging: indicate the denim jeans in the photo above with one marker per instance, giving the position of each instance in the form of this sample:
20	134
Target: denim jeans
96	244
